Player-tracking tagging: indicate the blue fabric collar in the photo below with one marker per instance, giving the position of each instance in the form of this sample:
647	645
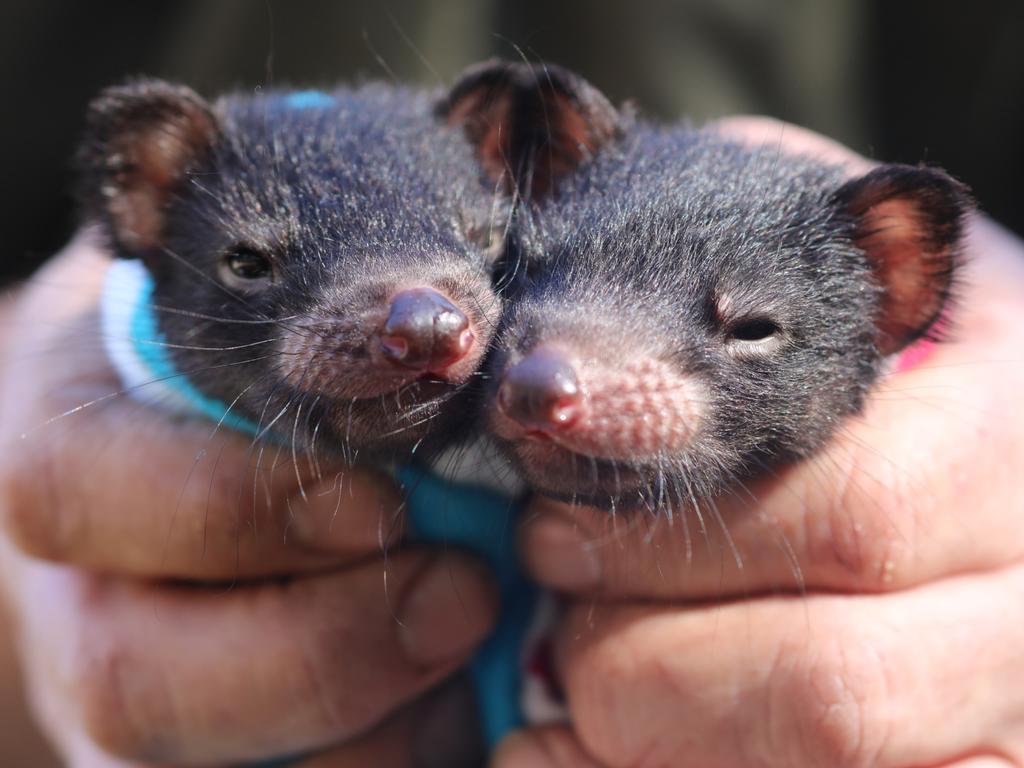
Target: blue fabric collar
150	345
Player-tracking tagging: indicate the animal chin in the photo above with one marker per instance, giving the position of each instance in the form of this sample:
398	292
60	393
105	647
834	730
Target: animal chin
391	419
563	473
407	390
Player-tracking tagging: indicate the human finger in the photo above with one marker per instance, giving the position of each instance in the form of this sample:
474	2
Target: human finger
919	677
154	673
120	487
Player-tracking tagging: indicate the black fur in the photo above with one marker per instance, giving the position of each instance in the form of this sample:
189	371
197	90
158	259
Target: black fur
347	201
635	253
660	244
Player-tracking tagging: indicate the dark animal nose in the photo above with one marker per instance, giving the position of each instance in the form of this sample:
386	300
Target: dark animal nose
424	331
541	391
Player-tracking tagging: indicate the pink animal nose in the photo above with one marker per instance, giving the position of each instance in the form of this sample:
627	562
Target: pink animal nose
424	331
541	391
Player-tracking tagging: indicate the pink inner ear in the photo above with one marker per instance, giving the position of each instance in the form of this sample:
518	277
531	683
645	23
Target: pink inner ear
153	159
896	237
484	120
573	136
538	123
921	350
490	122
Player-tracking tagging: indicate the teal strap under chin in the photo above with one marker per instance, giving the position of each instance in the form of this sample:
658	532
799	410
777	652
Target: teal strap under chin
150	345
478	519
484	522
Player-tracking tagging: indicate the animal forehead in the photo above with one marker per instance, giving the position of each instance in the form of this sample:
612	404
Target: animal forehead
695	209
671	283
331	156
678	246
326	181
667	185
351	134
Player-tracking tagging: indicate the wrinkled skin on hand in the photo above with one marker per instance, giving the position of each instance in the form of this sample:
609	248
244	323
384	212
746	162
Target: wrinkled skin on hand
864	608
172	610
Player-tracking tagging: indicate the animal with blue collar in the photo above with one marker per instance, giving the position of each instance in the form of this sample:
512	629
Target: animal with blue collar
322	270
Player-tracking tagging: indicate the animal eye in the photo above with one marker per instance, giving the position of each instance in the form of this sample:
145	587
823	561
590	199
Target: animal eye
753	329
246	269
248	265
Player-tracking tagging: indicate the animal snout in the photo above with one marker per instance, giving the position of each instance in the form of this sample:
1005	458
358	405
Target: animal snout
541	392
425	331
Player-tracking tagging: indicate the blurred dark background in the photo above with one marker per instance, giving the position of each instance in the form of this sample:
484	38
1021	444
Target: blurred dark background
936	80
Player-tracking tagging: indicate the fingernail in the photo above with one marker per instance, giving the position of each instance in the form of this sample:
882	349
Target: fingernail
561	555
448	610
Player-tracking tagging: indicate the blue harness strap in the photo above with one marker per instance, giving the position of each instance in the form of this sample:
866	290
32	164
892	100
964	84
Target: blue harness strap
478	519
483	522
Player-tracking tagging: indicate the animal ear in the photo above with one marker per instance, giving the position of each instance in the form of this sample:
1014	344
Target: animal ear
141	139
909	221
529	124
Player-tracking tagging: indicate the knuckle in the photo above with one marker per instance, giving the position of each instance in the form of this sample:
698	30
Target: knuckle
29	503
604	681
330	702
861	535
227	506
321	676
99	700
834	701
106	679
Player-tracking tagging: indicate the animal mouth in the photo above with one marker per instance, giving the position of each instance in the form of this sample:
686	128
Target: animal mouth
560	471
421	389
538	434
429	386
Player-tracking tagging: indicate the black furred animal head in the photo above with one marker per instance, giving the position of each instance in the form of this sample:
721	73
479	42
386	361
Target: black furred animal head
697	311
326	256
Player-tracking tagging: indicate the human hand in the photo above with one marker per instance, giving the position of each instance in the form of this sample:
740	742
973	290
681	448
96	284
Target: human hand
181	598
863	608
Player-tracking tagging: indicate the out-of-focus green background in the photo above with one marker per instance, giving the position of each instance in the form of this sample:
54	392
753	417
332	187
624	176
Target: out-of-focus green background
910	80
